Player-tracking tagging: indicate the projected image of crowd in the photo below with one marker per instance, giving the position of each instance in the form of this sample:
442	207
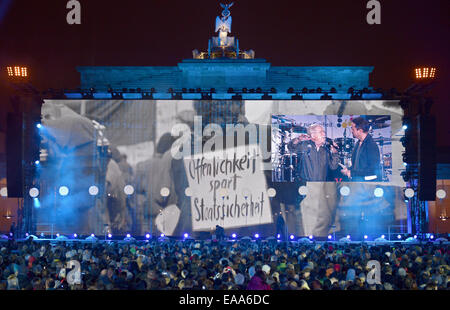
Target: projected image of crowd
213	265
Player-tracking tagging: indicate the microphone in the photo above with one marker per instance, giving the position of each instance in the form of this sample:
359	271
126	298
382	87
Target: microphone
328	143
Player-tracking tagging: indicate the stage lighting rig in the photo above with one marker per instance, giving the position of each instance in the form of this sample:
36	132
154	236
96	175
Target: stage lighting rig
425	73
17	72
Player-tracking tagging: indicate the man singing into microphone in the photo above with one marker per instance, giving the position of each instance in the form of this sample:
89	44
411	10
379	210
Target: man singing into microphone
365	156
316	157
318	206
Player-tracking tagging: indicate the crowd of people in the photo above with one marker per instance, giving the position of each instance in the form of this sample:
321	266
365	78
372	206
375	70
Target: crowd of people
222	265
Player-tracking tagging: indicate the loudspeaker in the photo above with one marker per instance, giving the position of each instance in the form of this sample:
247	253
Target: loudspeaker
427	157
14	151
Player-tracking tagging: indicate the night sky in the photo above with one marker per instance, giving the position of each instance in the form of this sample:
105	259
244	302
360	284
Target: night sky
286	33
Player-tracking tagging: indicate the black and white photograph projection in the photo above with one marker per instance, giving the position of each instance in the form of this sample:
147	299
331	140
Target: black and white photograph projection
186	167
350	148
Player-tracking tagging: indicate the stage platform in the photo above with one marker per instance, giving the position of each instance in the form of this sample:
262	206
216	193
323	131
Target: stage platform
301	241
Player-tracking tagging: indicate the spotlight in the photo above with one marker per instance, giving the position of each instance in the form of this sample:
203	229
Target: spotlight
404	127
147	236
405	164
303	190
415	236
57	235
440	193
233	236
188	192
365	237
378	192
109	236
164	192
34	192
162	235
63	190
256	235
409	193
39	126
348	236
128	189
291	237
21	72
432	237
425	73
271	192
185	235
278	236
329	237
92	235
27	234
311	237
128	236
93	190
37	162
383	236
399	236
75	235
345	190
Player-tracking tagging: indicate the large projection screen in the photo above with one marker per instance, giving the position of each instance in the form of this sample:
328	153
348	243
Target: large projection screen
249	166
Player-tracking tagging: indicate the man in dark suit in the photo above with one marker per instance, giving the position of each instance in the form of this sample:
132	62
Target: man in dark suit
366	154
317	157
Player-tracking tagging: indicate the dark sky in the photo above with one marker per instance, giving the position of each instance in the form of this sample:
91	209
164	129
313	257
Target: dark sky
286	33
